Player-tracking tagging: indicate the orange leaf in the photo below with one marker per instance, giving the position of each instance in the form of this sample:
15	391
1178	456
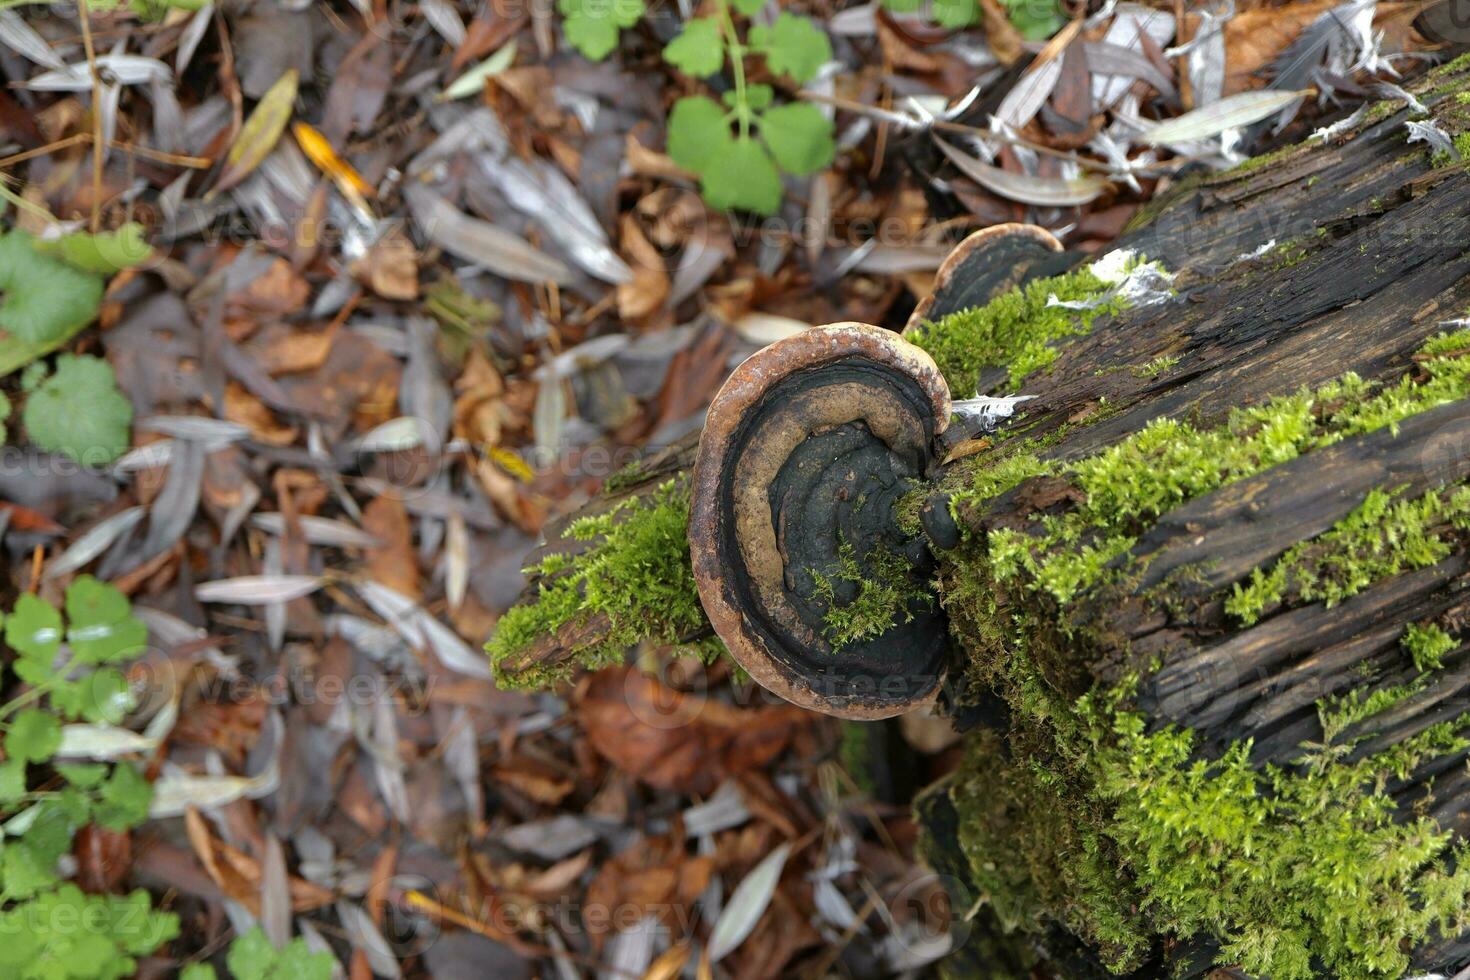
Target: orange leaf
319	151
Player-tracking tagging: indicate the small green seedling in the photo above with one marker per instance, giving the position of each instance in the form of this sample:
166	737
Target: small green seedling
718	140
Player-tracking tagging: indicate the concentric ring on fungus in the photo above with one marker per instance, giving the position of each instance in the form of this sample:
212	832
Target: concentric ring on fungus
807	449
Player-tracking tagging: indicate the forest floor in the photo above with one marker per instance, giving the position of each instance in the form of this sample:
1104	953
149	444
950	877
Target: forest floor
315	314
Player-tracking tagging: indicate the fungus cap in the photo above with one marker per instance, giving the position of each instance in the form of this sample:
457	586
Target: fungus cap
806	450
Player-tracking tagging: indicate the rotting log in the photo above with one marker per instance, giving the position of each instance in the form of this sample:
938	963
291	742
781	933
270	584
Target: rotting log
1207	589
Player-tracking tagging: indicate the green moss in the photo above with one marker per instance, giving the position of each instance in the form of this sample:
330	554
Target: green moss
1439	158
1131	840
1014	331
1290	868
1382	537
1427	644
1288	254
885	594
1169	462
1339	713
974	485
628	475
1260	161
637	574
1155	367
1130	836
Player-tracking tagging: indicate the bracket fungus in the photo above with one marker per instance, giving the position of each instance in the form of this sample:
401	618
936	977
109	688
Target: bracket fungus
797	551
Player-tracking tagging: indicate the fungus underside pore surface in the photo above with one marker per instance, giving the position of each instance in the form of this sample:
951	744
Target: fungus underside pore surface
1123	832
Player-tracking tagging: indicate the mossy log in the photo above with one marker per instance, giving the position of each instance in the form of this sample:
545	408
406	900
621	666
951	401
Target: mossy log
1207	592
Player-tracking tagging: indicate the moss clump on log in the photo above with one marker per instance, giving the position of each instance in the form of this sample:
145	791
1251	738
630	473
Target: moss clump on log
636	575
1382	537
1016	330
864	604
1126	831
1127	837
1120	490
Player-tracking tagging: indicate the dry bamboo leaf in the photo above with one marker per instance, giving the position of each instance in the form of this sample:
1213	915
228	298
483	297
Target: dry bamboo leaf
1041	191
748	903
1213	119
257	590
480	242
261	132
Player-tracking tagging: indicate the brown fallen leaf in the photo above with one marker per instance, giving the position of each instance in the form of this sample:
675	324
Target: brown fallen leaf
394	564
646	292
243	407
282	350
535	780
657	878
675	740
390	268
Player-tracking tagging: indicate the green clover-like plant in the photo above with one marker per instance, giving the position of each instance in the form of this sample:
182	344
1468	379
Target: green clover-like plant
79	411
739	145
593	27
52	929
252	957
1037	20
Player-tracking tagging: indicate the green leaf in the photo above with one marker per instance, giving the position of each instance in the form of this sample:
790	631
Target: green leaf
100	697
101	627
593	26
123	800
45	299
198	971
698	133
748	7
472	82
298	962
5	410
799	136
34	736
107	253
12	780
954	13
793	45
79	411
33	629
743	177
32	376
1037	20
902	6
699	50
24	870
82	775
251	956
757	97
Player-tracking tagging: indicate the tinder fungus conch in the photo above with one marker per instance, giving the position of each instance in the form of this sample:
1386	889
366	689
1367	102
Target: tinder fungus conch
798	552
